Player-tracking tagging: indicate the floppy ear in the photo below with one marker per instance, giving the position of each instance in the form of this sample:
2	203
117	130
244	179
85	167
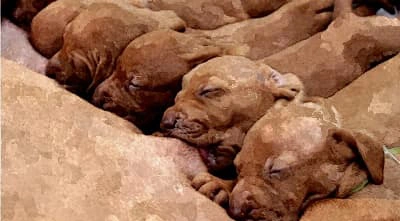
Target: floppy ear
283	86
364	155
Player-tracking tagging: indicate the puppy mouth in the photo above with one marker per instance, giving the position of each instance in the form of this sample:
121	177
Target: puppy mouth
190	131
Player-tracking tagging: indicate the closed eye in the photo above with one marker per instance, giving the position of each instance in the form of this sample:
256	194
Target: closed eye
210	92
133	85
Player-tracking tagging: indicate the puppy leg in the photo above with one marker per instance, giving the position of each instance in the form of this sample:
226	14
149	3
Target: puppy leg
214	188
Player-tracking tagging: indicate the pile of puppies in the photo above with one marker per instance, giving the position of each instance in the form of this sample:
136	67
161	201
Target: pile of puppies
240	91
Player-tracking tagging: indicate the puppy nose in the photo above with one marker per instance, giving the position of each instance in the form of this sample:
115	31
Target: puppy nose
169	120
100	97
52	68
241	204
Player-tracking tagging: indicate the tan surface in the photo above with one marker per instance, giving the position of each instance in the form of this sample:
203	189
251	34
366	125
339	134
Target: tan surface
63	159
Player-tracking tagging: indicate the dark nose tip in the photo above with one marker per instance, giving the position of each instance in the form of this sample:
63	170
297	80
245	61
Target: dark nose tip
169	120
241	205
100	97
53	67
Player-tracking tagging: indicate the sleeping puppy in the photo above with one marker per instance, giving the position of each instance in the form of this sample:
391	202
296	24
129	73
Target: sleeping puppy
96	37
261	37
211	14
312	150
149	73
326	63
330	60
297	155
220	100
156	62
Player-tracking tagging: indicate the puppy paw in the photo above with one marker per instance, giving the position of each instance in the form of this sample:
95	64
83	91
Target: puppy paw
212	187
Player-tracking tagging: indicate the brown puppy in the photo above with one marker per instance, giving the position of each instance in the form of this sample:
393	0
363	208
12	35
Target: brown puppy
220	100
211	14
302	135
261	37
96	37
49	24
297	155
174	54
149	73
330	60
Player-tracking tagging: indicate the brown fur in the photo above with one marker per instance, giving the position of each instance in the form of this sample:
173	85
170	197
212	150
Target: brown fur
328	61
149	73
305	150
220	100
48	25
174	54
211	14
258	38
96	37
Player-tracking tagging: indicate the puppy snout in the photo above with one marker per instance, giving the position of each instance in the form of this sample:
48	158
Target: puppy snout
169	120
241	204
101	97
52	68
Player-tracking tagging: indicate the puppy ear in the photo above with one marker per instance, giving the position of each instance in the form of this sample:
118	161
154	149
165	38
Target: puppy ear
283	86
365	156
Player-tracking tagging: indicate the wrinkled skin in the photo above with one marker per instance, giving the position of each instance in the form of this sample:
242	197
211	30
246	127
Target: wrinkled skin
96	37
374	112
298	155
330	60
211	14
218	103
149	74
292	157
262	37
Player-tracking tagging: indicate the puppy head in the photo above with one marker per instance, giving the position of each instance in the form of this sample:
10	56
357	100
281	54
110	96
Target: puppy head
72	70
295	156
222	97
148	76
